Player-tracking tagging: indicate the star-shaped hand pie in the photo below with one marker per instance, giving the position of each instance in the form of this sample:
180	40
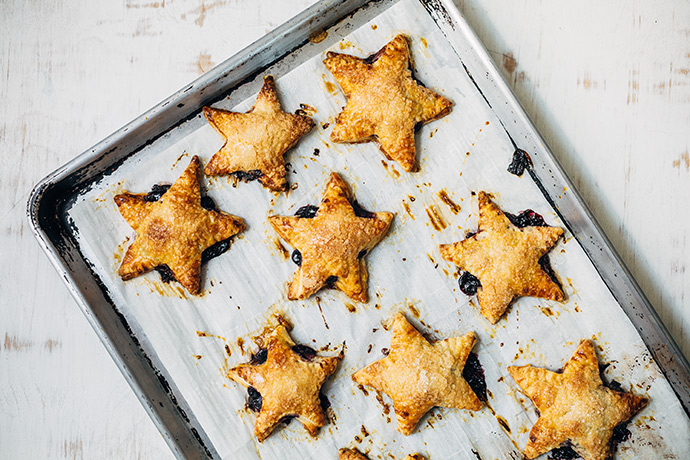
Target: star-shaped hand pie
574	405
505	259
256	141
384	101
418	375
354	454
285	379
174	230
331	242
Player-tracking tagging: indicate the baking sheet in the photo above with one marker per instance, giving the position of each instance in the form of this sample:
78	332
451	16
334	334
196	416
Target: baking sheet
467	150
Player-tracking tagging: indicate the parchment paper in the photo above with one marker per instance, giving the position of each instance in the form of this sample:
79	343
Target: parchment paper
463	152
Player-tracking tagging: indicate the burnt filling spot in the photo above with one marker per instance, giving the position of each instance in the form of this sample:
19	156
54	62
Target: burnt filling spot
296	257
259	357
166	274
307	212
361	212
330	282
527	218
304	352
157	192
248	176
254	399
565	452
469	284
473	373
521	160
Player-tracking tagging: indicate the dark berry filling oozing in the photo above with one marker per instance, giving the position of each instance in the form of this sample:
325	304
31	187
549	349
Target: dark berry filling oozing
304	352
296	257
157	192
259	357
521	160
473	373
248	176
527	218
330	282
254	399
307	212
361	212
469	284
565	452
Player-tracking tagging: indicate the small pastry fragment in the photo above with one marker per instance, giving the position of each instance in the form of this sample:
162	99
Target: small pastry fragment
331	241
256	141
354	454
505	259
284	380
384	102
411	356
575	406
174	230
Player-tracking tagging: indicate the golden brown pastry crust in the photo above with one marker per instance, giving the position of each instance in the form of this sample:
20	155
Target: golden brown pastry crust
574	406
258	139
384	102
288	384
505	259
331	243
418	375
174	230
354	454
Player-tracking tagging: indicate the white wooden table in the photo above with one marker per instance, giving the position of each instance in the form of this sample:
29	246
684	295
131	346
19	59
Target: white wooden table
607	84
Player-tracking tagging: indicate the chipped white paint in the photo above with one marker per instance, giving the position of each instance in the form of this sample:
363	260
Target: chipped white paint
608	85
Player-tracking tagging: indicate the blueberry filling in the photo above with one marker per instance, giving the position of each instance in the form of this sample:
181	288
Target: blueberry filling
330	282
473	373
248	176
361	212
304	352
565	452
362	253
296	257
157	192
469	284
527	218
521	160
259	357
307	212
166	274
254	399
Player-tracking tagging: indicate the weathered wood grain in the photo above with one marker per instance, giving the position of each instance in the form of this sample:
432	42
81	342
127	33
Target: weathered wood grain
608	85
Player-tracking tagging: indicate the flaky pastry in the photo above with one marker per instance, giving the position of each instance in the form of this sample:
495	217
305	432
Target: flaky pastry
256	141
505	259
288	381
173	231
574	405
418	375
384	102
332	243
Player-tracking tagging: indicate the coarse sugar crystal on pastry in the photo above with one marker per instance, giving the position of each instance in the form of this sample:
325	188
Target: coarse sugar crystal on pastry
384	102
256	141
418	375
331	242
575	407
503	260
283	380
174	229
355	454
